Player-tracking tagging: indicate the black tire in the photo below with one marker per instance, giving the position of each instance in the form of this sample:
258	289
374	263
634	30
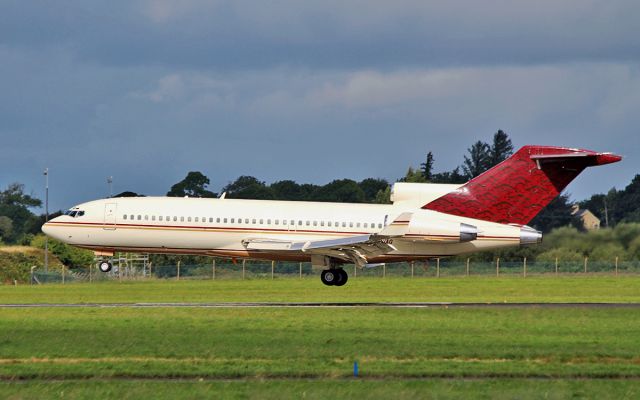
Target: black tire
343	277
104	266
329	277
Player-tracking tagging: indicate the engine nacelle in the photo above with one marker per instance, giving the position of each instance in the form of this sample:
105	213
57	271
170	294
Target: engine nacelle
428	229
419	193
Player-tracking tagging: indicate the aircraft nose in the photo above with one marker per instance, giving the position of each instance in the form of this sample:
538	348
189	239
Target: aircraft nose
46	229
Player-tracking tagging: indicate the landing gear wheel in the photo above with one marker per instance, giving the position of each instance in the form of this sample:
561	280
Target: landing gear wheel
343	277
329	277
105	266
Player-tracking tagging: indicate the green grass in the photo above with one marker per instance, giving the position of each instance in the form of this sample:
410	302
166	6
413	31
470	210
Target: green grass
322	389
458	289
437	352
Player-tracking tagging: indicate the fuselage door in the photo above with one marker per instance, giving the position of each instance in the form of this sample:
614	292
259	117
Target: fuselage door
110	216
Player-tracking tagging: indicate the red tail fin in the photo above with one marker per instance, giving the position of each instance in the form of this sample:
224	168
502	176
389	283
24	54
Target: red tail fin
517	189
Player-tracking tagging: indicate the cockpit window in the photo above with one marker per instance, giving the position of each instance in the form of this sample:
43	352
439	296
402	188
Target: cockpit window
74	213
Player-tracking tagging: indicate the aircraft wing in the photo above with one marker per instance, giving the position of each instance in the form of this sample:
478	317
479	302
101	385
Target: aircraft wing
356	249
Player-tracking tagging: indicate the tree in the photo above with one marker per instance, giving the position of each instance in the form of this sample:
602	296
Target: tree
248	187
478	160
288	190
383	196
15	205
427	167
194	185
371	187
6	227
449	177
555	215
129	194
340	190
413	176
501	148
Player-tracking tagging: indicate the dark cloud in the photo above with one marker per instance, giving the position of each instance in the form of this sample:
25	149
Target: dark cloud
312	91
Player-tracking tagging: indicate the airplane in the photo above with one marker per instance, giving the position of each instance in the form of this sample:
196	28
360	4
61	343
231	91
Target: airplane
424	221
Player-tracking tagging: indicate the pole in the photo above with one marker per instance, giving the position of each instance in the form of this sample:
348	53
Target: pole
586	260
525	267
90	277
213	269
62	267
355	270
178	275
437	268
46	219
273	267
468	266
498	266
616	266
300	270
384	270
243	267
412	267
556	265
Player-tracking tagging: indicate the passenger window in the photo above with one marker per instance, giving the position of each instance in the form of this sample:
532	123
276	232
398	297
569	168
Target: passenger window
379	225
315	223
350	224
175	219
146	217
160	218
269	221
139	217
246	220
277	222
253	221
217	220
233	220
344	224
308	222
366	225
292	222
300	222
358	225
124	216
329	223
132	217
225	220
181	219
153	217
196	220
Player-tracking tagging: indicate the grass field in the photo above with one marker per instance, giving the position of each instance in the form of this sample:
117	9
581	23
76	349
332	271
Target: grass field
439	352
484	289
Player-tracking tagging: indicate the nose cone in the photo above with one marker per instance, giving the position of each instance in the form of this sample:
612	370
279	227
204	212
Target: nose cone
46	229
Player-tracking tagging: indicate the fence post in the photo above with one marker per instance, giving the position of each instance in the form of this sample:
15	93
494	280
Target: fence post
437	267
213	270
498	266
412	267
31	280
384	270
355	270
586	260
244	261
90	277
178	276
556	265
616	266
300	270
62	267
273	267
525	267
468	260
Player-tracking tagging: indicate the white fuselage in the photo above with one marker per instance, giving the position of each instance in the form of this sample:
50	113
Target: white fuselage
219	227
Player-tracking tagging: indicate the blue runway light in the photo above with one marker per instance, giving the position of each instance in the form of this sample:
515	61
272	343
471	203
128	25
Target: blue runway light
355	369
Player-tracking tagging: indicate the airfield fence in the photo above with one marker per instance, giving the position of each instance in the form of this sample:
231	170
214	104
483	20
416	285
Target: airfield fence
256	269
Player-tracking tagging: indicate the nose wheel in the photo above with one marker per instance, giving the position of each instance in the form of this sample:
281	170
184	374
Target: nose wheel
334	277
104	266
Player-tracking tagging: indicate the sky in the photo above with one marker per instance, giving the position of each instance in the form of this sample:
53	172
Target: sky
313	91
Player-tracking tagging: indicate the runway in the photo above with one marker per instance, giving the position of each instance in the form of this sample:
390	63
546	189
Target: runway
322	305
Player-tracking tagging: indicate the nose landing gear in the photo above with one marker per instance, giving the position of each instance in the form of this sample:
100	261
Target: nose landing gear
334	277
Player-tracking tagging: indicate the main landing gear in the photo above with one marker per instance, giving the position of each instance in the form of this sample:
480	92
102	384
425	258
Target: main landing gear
104	266
334	277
